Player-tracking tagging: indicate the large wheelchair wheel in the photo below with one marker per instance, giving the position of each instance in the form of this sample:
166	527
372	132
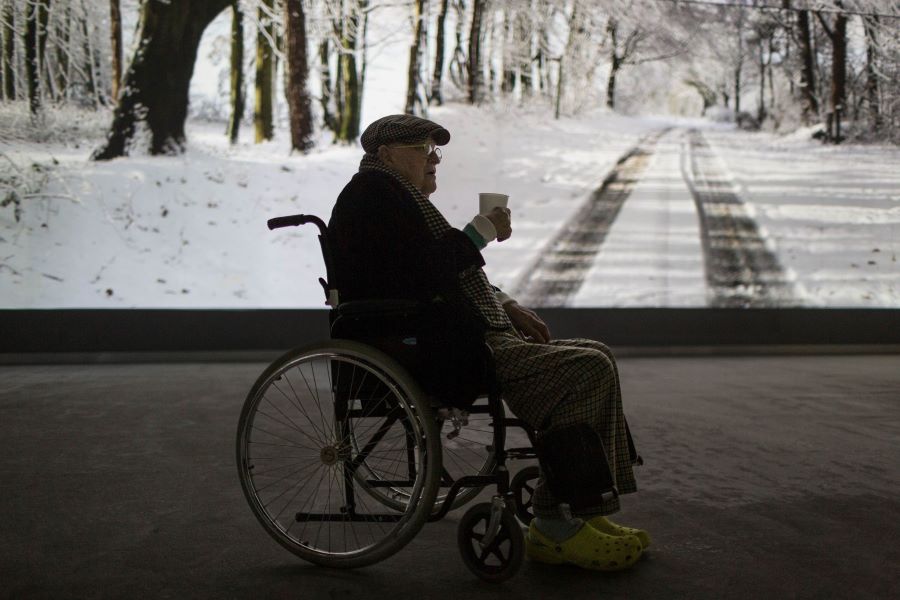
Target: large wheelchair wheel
327	431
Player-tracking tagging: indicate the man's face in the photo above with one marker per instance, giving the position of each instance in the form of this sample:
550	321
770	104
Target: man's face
414	162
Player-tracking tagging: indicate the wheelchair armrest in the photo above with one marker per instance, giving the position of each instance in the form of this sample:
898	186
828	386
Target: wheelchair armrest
371	308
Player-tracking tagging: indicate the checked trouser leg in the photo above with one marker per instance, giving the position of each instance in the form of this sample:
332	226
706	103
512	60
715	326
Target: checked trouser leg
562	383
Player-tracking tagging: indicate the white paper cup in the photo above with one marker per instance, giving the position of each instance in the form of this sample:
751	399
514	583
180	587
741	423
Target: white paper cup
487	201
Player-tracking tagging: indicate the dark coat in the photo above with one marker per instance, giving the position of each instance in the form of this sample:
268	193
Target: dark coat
382	249
381	246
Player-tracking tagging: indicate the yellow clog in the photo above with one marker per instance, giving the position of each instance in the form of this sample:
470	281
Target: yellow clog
589	549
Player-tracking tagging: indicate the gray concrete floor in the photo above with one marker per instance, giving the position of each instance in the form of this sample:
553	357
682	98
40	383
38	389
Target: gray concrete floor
765	477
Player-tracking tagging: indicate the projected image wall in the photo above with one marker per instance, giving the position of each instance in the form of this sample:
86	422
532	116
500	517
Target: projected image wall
641	172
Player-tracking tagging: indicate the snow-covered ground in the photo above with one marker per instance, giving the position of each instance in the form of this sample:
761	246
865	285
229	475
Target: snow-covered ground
832	213
189	231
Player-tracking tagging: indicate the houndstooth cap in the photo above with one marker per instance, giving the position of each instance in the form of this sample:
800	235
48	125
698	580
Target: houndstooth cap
394	129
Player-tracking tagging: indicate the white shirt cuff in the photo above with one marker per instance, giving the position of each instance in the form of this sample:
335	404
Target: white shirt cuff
485	228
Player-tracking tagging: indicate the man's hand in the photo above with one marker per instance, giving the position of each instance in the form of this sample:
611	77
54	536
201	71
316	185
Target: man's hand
527	322
500	217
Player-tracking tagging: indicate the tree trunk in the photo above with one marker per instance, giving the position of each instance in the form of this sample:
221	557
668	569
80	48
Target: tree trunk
115	37
298	75
808	81
436	95
155	87
839	72
35	37
871	24
525	46
508	82
761	108
327	89
837	34
413	73
237	73
475	75
612	28
459	63
349	95
89	68
739	65
63	34
9	50
262	114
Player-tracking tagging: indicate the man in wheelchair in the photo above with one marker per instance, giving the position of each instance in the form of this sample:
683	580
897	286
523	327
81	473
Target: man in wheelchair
388	241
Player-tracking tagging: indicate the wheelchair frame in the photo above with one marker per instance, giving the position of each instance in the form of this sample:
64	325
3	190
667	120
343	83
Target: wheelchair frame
489	536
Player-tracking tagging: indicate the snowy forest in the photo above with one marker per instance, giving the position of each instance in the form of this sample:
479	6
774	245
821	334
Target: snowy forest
236	87
773	64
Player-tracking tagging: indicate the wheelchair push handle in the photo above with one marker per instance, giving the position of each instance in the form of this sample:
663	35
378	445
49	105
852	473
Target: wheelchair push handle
295	220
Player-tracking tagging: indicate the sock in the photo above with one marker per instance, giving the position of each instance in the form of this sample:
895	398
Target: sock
561	528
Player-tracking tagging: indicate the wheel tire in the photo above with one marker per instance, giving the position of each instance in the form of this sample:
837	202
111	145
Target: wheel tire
503	557
523	492
292	417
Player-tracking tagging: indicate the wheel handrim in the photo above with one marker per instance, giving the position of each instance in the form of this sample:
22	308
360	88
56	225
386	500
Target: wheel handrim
301	494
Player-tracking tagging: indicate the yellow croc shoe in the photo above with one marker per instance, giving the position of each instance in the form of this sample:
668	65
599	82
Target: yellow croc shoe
604	525
589	549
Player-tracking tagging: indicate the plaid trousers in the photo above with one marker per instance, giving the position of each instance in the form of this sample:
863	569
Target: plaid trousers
562	383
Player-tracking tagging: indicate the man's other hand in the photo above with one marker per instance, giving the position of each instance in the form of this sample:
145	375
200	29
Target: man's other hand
500	217
527	322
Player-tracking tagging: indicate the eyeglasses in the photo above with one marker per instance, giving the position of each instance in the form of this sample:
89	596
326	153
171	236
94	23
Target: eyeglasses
428	148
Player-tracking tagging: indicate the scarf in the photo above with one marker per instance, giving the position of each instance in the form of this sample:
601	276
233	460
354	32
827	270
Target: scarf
473	282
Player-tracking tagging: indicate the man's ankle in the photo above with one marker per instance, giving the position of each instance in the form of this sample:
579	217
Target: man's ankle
558	527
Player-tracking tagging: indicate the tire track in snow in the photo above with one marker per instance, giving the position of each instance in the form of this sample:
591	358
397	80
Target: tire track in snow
741	270
560	269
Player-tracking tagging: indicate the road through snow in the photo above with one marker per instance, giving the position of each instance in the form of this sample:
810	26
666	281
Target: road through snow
653	249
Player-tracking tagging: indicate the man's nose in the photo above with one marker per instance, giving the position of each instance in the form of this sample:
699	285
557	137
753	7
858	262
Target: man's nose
434	158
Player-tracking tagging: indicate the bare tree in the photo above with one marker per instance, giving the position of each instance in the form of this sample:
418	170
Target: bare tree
437	96
8	58
298	74
635	42
459	62
237	72
349	24
168	37
63	30
115	38
263	122
36	15
415	103
837	34
475	66
809	100
870	24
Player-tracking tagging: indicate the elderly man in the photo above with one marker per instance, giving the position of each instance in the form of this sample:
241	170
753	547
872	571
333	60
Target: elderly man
389	241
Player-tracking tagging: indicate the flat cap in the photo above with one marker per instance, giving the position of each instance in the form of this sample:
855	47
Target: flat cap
401	129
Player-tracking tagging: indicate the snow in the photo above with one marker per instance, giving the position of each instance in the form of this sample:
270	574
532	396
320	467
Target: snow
189	231
652	255
832	213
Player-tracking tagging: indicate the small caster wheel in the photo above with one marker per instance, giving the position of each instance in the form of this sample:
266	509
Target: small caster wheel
500	558
522	487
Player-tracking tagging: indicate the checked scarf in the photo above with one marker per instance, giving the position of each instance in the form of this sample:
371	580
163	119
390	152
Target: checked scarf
473	282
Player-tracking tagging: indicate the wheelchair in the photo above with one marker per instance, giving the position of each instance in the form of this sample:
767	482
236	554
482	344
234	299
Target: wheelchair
343	458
